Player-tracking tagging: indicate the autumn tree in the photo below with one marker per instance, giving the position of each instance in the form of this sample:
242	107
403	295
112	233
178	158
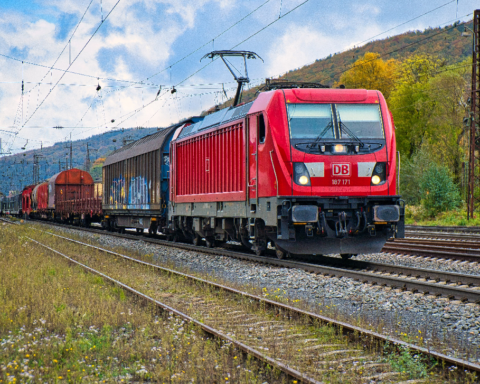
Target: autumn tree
371	72
411	102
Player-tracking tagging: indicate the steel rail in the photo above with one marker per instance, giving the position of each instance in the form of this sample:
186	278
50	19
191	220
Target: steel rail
314	316
432	251
8	221
469	245
456	229
443	235
345	269
210	330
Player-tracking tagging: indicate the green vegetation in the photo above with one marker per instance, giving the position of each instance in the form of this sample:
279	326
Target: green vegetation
61	324
417	215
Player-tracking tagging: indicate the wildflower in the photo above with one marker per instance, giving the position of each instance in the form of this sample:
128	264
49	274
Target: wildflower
60	377
55	361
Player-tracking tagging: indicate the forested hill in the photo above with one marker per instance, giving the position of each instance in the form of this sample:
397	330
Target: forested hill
17	171
446	43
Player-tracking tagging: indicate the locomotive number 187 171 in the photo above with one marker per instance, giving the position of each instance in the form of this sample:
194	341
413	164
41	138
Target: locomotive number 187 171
340	181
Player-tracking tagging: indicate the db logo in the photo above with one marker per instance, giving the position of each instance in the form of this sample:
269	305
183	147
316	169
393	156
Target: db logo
341	169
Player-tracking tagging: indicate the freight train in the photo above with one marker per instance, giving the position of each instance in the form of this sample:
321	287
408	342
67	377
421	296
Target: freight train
300	170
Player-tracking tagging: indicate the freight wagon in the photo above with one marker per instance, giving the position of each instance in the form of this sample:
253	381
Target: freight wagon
136	182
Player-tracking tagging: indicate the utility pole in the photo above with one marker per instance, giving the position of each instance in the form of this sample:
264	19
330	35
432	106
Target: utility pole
36	168
474	155
70	147
87	160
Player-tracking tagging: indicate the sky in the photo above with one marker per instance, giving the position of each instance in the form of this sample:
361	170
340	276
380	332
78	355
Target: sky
91	66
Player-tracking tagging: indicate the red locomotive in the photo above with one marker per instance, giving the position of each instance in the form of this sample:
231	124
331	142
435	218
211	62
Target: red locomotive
312	171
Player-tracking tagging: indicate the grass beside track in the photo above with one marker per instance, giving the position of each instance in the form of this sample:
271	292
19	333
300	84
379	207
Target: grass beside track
58	323
167	288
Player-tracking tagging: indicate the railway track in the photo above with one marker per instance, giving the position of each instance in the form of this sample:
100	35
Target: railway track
252	334
463	287
457	243
452	285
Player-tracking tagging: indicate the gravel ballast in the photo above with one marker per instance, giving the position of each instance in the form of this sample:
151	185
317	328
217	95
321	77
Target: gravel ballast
414	317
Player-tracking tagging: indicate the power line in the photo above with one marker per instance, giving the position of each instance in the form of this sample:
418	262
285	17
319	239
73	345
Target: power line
63	50
194	73
408	21
408	45
76	57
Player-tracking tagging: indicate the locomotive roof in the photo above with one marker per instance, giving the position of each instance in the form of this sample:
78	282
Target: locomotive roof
217	118
145	144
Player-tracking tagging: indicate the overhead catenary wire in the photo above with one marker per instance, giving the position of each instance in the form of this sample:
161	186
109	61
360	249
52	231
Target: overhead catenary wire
417	17
210	62
73	61
65	47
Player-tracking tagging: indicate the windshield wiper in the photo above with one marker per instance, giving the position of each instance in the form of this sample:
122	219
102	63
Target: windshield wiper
344	128
320	136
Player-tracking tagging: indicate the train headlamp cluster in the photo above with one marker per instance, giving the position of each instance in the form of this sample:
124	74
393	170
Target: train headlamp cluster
300	174
339	148
379	175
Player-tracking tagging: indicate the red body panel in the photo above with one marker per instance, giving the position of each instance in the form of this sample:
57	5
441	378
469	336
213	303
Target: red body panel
329	184
40	197
27	199
210	166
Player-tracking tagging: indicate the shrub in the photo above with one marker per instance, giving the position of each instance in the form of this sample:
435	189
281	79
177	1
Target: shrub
438	190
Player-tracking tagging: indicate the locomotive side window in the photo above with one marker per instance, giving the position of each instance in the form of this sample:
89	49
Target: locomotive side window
261	129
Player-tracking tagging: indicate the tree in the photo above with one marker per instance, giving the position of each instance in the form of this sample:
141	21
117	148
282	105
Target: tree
411	102
447	137
428	105
371	72
439	191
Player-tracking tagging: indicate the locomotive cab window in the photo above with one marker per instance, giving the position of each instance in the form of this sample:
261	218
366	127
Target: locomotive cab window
318	127
261	129
363	120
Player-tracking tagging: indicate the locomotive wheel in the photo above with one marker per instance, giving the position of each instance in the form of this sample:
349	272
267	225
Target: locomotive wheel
346	256
175	238
281	254
260	252
210	243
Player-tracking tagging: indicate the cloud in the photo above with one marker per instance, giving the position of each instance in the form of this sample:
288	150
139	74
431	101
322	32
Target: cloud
298	46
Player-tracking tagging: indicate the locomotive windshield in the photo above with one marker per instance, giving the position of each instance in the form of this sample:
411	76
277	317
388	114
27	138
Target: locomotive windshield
335	121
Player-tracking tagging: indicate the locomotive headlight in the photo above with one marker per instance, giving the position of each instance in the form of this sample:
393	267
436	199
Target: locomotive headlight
339	148
379	168
379	174
300	174
376	179
303	180
299	168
